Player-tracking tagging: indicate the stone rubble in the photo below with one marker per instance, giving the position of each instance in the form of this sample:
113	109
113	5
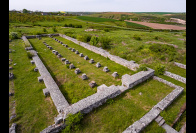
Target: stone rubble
105	69
98	65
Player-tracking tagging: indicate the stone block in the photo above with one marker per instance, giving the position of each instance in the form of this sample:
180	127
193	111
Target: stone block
10	68
115	74
53	51
12	129
36	69
46	92
98	65
77	71
56	53
32	62
92	84
105	69
67	62
73	50
70	48
40	79
91	61
59	55
11	75
77	52
84	76
81	55
86	57
63	59
71	66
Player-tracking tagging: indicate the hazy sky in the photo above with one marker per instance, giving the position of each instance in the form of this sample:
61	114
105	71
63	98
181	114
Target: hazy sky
100	5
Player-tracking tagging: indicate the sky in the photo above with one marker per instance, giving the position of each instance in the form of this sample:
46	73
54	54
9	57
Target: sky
100	5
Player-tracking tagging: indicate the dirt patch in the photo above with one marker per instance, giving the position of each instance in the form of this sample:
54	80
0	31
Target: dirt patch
159	26
175	46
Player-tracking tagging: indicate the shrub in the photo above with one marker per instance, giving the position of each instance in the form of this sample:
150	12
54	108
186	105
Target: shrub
106	29
65	25
142	67
44	30
105	42
94	40
84	38
54	29
72	122
70	25
159	69
136	37
14	35
156	37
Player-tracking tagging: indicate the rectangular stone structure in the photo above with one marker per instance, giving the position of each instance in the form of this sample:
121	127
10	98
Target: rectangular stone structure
129	81
175	76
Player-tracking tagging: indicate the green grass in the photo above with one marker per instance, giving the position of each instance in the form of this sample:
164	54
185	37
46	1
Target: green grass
134	25
117	114
95	19
71	85
34	111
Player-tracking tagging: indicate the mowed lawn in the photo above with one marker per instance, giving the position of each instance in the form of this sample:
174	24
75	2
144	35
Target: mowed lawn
34	112
71	84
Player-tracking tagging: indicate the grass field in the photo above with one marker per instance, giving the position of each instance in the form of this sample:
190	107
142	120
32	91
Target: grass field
35	112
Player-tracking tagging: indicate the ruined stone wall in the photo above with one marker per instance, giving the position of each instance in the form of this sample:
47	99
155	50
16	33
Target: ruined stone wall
176	77
58	99
139	125
130	64
180	65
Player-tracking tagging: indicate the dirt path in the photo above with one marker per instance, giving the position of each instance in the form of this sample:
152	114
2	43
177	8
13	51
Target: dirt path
159	26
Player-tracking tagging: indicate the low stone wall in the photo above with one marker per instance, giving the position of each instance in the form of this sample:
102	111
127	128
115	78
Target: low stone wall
34	36
130	64
176	77
58	99
129	81
139	125
180	65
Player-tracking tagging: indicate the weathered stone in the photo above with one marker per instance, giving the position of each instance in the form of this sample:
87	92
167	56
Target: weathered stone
46	92
77	71
175	76
36	69
98	65
92	84
84	76
10	68
71	66
13	128
70	48
67	62
140	93
63	59
29	48
11	75
59	55
32	62
77	52
12	116
61	42
53	51
40	79
105	69
81	55
50	48
56	53
115	74
91	61
58	120
11	93
73	50
86	57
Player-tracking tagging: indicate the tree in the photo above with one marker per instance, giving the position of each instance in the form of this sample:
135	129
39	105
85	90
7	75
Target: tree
25	11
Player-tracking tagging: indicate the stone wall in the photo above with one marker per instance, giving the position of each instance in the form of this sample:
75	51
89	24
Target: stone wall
34	36
133	80
139	125
176	77
130	64
58	99
180	65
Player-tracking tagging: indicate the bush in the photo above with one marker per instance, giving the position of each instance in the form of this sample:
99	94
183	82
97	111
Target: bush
159	69
94	40
84	38
136	37
65	25
14	35
44	30
142	67
106	29
54	29
72	122
30	55
105	42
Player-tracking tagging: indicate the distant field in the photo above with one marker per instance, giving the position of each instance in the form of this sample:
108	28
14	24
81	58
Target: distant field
95	19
